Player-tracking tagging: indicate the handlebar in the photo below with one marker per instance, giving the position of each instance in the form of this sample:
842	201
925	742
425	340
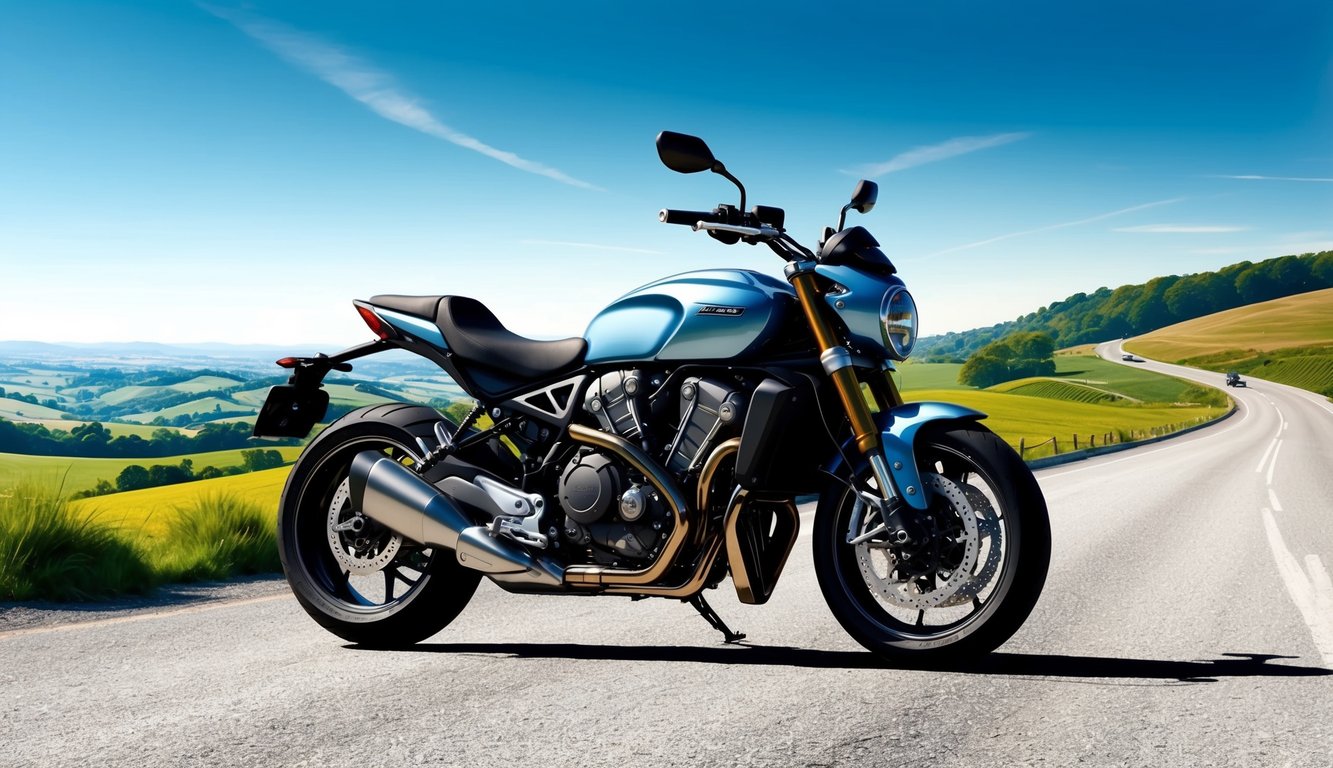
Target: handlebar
688	218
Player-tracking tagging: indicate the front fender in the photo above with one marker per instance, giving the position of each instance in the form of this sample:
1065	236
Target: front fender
898	429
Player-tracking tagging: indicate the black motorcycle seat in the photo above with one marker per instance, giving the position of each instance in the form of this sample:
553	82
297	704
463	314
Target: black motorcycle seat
474	334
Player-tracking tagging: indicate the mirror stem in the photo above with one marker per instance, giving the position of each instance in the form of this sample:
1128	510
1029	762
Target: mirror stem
842	217
721	170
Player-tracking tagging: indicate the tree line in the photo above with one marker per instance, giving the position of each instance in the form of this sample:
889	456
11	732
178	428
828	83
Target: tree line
92	440
135	477
1130	310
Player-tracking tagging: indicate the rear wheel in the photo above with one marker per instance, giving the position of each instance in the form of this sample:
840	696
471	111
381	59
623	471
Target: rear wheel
973	564
358	579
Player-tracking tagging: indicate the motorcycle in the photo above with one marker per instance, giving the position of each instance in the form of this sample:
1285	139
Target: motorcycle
664	451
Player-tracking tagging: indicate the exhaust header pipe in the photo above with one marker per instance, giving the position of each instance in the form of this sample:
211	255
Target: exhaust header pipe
400	500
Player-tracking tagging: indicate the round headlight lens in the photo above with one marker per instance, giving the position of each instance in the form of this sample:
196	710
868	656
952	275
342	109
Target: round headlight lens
897	317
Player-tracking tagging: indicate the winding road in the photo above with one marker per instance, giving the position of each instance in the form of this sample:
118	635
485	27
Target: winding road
1187	620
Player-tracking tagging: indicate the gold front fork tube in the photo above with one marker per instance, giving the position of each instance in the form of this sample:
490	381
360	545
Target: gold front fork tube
844	379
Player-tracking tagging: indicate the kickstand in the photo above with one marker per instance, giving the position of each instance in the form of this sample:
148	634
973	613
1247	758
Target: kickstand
705	610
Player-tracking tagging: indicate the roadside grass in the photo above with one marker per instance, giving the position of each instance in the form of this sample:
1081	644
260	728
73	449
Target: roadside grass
214	537
78	473
48	550
53	549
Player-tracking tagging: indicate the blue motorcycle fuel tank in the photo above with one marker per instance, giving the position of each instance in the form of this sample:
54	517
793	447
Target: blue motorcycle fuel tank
712	315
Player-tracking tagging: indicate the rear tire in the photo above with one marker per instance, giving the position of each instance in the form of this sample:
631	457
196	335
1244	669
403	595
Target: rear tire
961	588
371	586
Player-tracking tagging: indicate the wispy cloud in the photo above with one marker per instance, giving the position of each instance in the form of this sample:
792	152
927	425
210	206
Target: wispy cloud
1050	227
934	153
591	246
1251	177
373	88
1182	229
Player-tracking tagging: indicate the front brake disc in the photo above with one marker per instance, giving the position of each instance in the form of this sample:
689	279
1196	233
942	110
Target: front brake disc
879	566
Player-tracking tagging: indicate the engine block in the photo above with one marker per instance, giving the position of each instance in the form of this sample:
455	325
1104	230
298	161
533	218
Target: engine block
706	406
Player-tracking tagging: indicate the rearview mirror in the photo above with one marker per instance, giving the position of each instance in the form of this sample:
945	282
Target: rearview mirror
864	196
685	154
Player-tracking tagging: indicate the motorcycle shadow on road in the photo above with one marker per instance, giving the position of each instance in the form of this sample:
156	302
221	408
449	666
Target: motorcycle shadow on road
1232	665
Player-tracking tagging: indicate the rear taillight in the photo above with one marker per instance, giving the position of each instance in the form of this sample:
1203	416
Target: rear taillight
377	326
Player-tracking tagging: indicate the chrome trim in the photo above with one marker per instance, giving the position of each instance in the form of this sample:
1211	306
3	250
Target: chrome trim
894	350
881	469
835	359
395	496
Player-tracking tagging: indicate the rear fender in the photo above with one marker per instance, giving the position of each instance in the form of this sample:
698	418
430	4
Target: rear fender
898	430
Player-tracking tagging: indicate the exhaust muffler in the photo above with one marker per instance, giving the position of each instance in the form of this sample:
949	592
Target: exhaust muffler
399	499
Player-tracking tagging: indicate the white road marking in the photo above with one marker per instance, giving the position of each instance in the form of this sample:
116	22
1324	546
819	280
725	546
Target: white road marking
1264	459
1273	466
1314	599
1272	497
1281	420
210	606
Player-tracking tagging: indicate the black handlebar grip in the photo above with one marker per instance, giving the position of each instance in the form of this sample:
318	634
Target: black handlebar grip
688	218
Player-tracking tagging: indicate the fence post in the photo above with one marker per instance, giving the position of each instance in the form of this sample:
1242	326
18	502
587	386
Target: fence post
1055	446
1022	445
1076	442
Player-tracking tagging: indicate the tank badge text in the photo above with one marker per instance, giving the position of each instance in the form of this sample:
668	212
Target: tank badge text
712	309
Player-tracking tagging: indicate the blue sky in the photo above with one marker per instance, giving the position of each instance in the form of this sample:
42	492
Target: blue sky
172	171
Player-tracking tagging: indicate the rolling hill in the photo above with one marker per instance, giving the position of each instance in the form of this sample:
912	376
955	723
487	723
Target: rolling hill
1288	340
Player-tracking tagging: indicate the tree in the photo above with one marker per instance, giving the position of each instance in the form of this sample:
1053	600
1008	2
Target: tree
1015	356
257	459
132	478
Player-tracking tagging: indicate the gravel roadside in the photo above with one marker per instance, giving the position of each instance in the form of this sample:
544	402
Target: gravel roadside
44	614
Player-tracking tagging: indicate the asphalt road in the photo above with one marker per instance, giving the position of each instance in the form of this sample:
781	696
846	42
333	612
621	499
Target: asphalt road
1187	620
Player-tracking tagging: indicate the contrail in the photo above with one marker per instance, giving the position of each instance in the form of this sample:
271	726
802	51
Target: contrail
375	89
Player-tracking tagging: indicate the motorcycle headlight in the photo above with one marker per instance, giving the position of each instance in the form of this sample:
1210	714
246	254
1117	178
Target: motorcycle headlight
897	320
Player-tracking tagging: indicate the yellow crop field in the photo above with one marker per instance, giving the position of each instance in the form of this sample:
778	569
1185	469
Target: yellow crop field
148	512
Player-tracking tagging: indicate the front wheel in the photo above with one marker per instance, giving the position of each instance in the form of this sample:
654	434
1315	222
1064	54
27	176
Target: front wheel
971	568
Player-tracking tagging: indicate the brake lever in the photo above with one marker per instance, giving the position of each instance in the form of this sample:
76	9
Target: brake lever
762	231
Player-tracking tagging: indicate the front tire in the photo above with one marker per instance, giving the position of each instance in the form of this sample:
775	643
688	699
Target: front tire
973	569
357	579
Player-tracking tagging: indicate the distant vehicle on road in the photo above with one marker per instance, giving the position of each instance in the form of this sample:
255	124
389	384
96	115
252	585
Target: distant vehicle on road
1131	358
1234	380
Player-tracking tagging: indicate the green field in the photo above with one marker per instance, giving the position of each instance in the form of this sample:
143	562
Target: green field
149	511
17	410
81	474
914	376
1087	371
204	405
116	429
1033	420
1054	389
1287	340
